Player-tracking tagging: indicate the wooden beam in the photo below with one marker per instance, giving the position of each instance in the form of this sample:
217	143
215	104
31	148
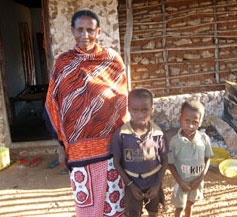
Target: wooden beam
179	76
185	48
181	87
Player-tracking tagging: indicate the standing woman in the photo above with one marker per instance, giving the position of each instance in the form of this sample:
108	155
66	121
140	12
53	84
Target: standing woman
86	102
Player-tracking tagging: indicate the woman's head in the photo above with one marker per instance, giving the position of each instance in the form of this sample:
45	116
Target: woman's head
85	12
85	29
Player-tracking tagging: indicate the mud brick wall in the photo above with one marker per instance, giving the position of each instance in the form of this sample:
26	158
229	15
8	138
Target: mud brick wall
182	46
60	13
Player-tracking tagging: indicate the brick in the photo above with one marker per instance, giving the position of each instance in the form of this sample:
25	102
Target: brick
206	54
192	56
194	22
145	61
149	45
183	42
174	71
145	75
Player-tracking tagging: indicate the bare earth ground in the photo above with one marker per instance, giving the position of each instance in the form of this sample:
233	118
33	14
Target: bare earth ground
39	191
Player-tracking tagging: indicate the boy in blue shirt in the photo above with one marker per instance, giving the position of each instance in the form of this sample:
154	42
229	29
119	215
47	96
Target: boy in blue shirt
140	155
189	158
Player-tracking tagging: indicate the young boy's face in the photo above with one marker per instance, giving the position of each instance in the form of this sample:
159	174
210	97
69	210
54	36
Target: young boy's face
140	110
190	121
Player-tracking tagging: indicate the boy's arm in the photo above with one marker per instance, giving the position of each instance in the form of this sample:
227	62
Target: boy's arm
164	163
208	153
196	182
184	185
138	194
163	157
172	159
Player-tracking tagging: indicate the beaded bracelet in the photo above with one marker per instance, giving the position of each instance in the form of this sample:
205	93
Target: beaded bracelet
129	183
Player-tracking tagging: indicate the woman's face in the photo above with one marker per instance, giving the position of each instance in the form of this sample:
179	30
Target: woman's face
85	32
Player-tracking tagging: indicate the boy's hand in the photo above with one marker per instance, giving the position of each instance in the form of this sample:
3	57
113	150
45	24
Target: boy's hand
138	194
152	192
196	182
184	186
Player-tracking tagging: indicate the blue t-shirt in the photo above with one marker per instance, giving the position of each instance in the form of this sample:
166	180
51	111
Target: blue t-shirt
140	155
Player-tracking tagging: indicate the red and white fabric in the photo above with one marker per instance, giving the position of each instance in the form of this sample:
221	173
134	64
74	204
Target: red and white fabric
97	195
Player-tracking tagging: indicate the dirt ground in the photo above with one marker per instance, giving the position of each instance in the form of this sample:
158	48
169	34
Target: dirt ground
39	191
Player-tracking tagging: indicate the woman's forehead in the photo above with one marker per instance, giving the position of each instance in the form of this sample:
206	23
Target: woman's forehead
85	20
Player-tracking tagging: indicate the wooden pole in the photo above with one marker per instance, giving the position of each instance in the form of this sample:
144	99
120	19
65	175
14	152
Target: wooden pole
216	44
127	41
6	129
165	52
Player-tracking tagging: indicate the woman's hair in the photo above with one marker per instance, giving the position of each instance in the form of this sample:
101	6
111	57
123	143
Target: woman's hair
194	106
85	12
140	93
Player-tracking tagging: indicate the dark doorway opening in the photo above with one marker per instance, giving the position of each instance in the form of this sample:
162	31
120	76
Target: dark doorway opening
26	112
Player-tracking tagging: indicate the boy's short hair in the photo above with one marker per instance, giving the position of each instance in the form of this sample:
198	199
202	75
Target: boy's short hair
194	106
140	93
85	12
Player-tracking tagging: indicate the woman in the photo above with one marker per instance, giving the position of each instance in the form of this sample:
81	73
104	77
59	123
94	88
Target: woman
86	102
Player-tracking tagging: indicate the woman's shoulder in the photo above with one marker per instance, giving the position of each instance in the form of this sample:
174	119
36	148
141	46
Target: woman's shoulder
111	53
66	55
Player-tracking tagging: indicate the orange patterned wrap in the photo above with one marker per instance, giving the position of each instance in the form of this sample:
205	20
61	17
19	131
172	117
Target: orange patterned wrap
86	101
87	149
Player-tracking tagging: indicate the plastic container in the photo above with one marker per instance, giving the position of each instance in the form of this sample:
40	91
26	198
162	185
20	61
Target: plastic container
4	157
220	154
228	168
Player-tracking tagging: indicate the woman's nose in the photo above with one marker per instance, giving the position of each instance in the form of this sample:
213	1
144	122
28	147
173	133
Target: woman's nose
84	33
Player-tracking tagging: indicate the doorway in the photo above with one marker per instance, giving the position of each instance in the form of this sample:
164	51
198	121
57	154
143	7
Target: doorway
26	70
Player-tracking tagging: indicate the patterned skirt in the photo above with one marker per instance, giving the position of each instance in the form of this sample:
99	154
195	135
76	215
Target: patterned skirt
98	190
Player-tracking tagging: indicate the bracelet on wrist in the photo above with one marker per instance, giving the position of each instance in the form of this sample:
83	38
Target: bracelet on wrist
129	183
